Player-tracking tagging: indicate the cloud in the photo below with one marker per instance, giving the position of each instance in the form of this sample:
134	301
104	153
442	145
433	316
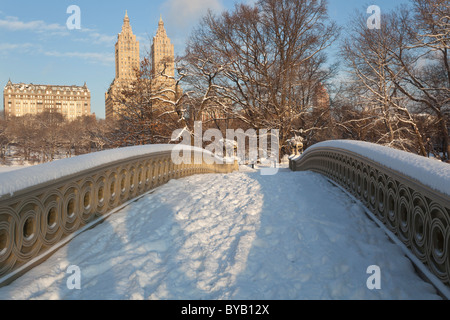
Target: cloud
94	37
30	48
102	38
54	29
38	26
93	57
6	47
185	14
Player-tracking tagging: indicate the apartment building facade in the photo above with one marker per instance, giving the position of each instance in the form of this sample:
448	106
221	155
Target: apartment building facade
20	99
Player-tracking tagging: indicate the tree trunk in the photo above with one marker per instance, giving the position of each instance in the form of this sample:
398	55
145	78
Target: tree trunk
445	137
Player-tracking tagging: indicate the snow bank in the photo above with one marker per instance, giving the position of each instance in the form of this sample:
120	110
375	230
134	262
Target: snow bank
432	173
16	180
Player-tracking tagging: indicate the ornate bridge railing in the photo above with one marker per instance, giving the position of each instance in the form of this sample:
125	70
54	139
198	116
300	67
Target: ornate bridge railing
409	194
42	206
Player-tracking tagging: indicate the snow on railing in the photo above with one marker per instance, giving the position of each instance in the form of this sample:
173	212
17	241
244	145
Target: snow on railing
409	194
45	206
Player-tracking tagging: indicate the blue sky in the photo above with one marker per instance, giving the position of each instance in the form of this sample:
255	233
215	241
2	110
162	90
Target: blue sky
37	47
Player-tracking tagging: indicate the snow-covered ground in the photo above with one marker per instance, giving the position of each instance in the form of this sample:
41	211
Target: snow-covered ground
237	236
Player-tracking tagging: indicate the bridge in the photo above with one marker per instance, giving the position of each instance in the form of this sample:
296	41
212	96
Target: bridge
346	220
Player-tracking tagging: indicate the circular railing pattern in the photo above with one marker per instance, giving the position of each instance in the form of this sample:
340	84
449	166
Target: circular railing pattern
416	214
33	222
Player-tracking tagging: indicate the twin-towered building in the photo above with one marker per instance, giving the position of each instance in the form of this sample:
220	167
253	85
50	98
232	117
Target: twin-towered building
128	64
163	53
20	99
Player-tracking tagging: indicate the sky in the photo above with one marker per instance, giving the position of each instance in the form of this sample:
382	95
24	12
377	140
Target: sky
36	45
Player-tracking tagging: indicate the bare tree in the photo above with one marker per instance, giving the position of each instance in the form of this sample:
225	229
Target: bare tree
72	136
151	107
429	75
24	134
49	134
353	119
259	58
433	18
4	140
98	132
373	59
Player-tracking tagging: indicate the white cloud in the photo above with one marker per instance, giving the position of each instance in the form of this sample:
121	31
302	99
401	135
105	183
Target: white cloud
7	47
54	29
29	48
102	38
185	14
38	26
94	37
93	57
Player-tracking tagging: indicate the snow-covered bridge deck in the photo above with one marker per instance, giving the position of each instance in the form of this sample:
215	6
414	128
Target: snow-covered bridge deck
293	235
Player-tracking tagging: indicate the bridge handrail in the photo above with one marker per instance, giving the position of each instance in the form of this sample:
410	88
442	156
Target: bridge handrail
43	205
411	204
